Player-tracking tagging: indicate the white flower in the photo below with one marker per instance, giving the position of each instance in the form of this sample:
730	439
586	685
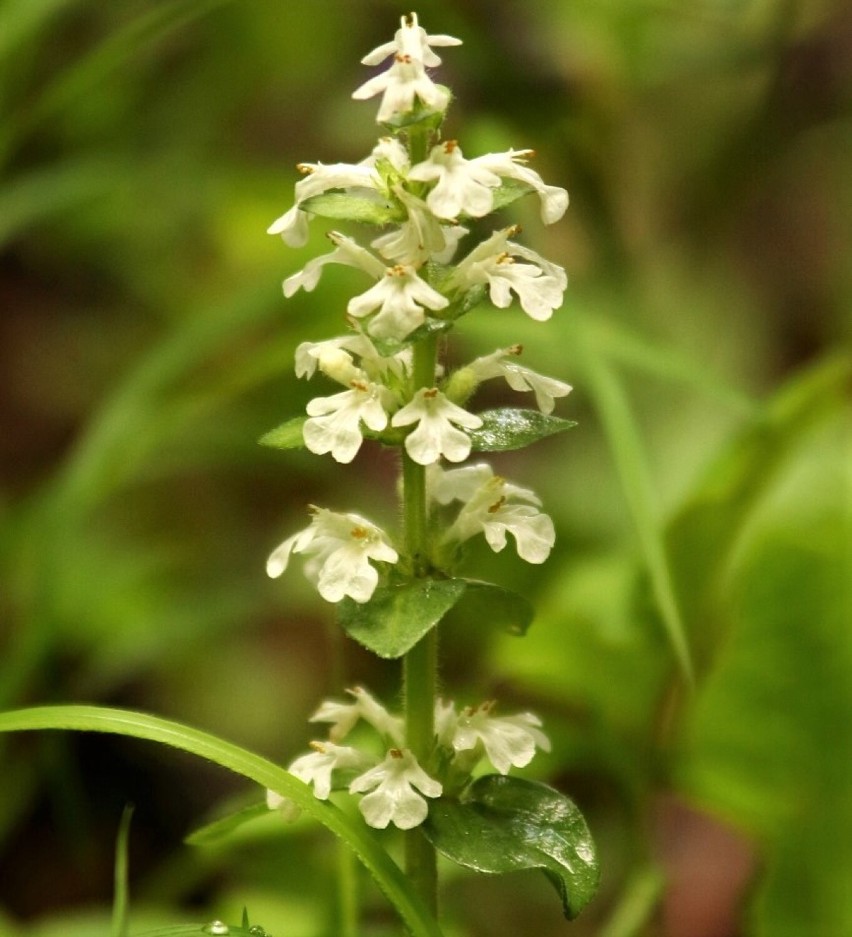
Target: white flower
400	296
508	741
406	79
320	178
417	239
393	798
316	767
339	547
334	357
495	508
500	364
344	716
335	422
346	252
467	185
436	434
411	39
510	165
463	185
538	285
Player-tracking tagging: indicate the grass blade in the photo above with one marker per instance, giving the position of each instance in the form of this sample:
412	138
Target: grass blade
386	873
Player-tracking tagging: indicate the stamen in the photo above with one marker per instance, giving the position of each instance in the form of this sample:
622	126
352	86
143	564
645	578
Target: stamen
494	508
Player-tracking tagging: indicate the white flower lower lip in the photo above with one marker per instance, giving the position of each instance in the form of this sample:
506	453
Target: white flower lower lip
340	548
394	785
437	432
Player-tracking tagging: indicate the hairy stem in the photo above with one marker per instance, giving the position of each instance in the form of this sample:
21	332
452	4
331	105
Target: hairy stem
420	664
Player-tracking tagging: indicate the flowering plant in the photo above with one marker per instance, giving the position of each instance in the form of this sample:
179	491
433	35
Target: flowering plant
426	772
391	593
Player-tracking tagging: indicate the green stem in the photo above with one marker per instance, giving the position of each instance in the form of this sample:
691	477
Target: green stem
420	664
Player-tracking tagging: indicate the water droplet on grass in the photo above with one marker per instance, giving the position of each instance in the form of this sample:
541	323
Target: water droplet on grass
216	927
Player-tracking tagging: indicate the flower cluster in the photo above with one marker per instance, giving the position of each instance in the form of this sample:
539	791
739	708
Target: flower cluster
395	785
422	193
416	289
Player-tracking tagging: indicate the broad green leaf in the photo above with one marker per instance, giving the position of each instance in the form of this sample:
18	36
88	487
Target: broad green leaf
224	826
501	608
510	428
344	206
398	616
286	436
261	771
504	824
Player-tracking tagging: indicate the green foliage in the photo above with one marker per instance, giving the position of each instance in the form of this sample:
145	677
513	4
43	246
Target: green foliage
251	766
145	148
504	824
286	436
399	615
342	206
511	428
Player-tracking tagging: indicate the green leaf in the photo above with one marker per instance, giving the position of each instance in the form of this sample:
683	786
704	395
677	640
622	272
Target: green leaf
398	616
510	428
505	824
261	771
509	191
344	206
286	436
429	118
483	601
224	826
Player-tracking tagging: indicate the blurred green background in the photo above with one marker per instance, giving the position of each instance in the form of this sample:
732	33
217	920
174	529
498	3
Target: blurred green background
705	495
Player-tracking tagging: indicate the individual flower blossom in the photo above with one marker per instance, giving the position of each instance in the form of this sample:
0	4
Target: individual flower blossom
406	79
400	297
508	741
492	263
334	357
346	252
467	185
316	767
462	186
510	165
411	39
418	238
520	378
319	178
344	716
437	432
495	508
339	548
335	422
394	784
